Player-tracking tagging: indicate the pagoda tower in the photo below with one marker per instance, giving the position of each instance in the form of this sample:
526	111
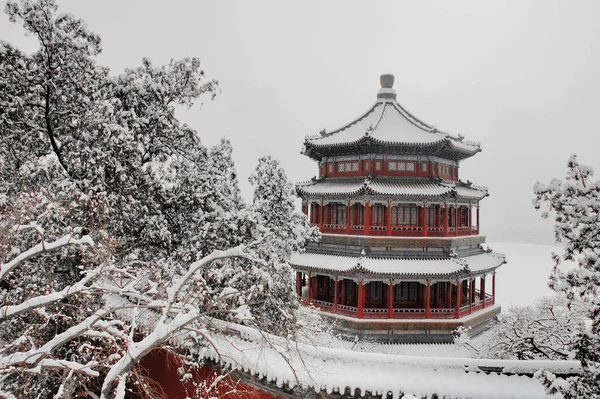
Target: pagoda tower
400	257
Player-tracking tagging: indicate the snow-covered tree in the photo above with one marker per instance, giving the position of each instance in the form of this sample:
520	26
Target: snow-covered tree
119	231
285	231
575	204
540	331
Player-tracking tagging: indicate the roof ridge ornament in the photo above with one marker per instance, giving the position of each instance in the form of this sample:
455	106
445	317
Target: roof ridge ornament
386	92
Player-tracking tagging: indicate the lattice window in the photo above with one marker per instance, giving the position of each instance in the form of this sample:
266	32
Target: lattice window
391	165
405	292
330	168
376	288
430	216
424	167
410	166
348	167
377	165
377	215
367	165
340	167
355	166
349	290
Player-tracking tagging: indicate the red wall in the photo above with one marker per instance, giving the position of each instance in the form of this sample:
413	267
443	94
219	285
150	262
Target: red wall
432	169
160	368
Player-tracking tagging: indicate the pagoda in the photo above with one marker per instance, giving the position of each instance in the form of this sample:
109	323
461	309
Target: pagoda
401	255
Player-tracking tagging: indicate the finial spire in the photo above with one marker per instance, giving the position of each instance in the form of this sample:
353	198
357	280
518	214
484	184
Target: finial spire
387	83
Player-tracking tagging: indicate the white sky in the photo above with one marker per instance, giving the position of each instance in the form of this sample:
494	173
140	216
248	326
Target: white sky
521	77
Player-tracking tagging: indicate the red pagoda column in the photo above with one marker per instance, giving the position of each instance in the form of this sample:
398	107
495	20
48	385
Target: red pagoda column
424	220
388	219
477	218
348	226
367	222
493	287
458	295
321	217
446	220
456	219
305	208
427	298
335	295
390	299
470	297
482	290
299	283
360	300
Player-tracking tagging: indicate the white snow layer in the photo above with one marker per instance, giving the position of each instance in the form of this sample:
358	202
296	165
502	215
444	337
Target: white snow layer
331	369
406	266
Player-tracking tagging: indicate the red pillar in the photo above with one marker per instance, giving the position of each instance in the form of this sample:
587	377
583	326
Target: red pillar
390	299
456	219
494	288
477	218
335	295
305	208
367	224
360	300
458	295
470	298
321	217
427	297
299	283
424	220
446	220
348	218
308	290
469	217
482	289
388	221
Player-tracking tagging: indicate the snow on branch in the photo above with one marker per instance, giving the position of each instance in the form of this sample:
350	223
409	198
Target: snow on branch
66	240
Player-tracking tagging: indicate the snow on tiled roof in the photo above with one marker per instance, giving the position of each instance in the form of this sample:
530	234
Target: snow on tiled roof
332	187
485	261
470	191
319	368
399	266
391	187
416	188
388	122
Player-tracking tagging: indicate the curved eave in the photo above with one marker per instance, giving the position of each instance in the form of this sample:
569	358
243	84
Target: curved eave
474	265
442	148
392	189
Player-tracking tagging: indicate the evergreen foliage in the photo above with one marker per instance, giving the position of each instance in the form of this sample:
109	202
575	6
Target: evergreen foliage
119	231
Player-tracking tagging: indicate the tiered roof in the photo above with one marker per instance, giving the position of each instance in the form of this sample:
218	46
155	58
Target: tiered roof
387	127
392	187
399	267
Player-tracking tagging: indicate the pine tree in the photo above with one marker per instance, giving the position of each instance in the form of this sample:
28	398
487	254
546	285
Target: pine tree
284	231
575	203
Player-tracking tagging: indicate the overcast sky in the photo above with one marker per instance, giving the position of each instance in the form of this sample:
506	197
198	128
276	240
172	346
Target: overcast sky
521	77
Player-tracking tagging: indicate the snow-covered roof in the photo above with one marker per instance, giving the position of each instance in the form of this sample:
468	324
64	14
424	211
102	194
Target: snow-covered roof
403	188
333	369
387	123
407	267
